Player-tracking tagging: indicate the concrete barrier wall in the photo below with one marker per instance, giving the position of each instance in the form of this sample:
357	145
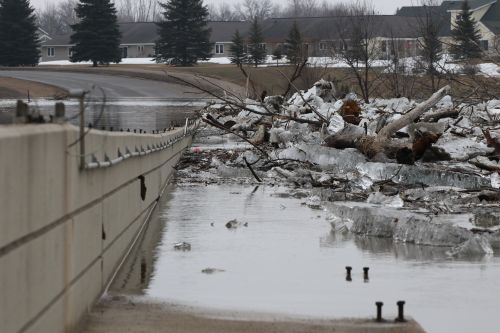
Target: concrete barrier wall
64	231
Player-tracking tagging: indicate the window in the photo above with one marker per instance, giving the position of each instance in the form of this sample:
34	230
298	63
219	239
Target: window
484	45
124	51
219	48
140	49
70	51
51	52
383	46
262	46
323	46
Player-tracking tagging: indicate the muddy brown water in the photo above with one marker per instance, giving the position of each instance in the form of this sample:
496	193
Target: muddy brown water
288	261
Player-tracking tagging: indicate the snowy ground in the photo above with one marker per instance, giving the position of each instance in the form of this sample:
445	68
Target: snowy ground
486	69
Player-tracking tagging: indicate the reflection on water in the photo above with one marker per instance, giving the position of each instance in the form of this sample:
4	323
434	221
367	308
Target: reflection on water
288	261
139	114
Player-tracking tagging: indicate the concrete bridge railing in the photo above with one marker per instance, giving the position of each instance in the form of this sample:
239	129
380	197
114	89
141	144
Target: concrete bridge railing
64	230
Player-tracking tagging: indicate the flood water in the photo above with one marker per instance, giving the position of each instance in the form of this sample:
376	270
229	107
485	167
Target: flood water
133	114
287	261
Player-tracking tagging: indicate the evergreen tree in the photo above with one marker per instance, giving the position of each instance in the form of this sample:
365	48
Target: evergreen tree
466	35
237	50
256	50
278	54
184	35
97	35
19	44
294	46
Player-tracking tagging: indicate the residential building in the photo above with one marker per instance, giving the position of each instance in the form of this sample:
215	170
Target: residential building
322	36
485	12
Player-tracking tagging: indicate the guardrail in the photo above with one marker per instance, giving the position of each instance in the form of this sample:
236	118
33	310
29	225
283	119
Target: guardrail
190	128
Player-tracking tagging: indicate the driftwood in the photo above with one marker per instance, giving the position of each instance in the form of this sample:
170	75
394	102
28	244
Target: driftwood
435	116
260	135
491	141
249	166
381	143
484	163
413	115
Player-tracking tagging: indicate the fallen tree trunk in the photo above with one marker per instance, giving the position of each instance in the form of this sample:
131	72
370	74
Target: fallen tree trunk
410	117
381	143
434	117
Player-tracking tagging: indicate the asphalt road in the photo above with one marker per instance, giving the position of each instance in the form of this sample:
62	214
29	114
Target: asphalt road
113	86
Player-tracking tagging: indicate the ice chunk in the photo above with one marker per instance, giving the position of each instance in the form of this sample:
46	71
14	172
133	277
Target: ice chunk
462	149
314	202
400	105
477	245
419	174
324	156
445	103
381	199
495	180
336	125
401	225
325	90
339	225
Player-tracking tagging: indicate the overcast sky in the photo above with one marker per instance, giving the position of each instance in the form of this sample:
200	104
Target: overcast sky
383	6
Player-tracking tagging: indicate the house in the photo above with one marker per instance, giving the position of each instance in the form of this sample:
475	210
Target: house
322	36
138	40
485	12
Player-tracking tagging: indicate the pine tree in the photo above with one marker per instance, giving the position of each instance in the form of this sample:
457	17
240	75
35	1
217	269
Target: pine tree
237	50
184	35
277	54
19	43
466	35
294	46
97	35
256	50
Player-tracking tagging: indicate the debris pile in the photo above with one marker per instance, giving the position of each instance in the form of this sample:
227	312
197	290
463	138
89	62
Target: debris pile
421	172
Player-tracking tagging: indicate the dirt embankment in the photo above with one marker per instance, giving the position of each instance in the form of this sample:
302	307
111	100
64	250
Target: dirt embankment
14	88
122	314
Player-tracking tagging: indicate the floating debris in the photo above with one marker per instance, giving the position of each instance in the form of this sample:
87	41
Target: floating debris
212	270
182	246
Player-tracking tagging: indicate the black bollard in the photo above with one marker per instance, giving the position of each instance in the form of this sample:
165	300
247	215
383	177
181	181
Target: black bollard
365	274
401	312
135	131
379	311
348	275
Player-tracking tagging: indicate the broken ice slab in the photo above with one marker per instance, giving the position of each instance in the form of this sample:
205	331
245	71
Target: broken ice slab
402	225
462	149
421	174
381	199
226	171
476	246
399	105
325	157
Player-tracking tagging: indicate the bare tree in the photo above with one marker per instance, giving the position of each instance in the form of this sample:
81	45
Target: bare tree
223	12
57	19
138	10
357	46
400	80
250	9
429	25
